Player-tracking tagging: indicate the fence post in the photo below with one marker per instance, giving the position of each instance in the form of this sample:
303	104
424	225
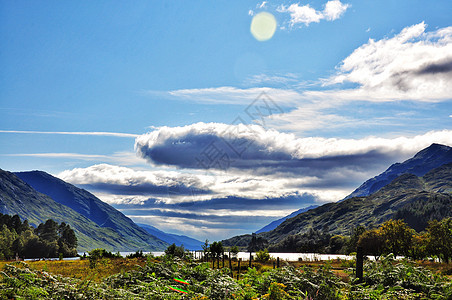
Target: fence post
251	257
238	271
223	260
277	262
359	263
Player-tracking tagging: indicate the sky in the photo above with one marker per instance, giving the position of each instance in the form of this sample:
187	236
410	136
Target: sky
212	119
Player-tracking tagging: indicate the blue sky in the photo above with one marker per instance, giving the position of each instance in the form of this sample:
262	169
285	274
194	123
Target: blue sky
124	99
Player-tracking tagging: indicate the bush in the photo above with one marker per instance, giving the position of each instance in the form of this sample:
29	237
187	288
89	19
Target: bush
263	255
137	254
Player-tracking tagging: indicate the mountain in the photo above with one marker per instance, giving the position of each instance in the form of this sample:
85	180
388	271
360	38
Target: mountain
188	242
373	210
18	197
425	160
276	223
414	199
89	206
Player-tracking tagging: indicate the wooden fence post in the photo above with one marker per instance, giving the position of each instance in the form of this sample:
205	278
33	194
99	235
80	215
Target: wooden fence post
238	271
277	262
230	265
359	263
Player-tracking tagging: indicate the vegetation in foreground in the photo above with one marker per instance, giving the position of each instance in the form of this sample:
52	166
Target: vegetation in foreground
166	278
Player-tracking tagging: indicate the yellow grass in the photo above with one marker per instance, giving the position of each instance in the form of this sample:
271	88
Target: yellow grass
81	268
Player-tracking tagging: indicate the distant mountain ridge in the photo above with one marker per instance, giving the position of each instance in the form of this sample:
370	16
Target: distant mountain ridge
425	160
276	223
18	197
188	242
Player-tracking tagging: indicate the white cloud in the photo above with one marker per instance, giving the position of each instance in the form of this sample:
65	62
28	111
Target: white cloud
305	14
274	142
334	10
412	65
302	14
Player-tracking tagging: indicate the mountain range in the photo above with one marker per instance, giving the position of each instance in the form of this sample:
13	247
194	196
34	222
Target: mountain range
276	223
415	199
417	190
38	196
179	240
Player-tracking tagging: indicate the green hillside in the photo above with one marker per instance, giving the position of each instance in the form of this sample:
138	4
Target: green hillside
17	197
88	205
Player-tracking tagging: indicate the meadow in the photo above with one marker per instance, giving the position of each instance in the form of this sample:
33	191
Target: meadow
170	277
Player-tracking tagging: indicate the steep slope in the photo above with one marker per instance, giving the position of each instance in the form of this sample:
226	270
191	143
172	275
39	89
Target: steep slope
188	242
414	199
17	197
276	223
425	160
90	207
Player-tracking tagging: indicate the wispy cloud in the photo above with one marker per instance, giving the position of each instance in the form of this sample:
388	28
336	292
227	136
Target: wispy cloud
93	133
122	158
234	95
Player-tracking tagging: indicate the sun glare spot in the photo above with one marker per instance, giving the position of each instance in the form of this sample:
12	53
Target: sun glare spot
263	26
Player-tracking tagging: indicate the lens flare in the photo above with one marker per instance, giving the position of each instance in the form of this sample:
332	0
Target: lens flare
263	26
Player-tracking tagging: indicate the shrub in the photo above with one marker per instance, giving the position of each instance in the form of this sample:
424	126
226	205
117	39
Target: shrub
263	255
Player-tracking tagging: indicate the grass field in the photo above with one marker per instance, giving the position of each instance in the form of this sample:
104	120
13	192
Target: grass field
151	278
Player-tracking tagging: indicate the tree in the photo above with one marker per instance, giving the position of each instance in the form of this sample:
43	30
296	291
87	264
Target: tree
7	238
175	251
257	243
48	231
419	246
205	247
217	249
337	244
397	236
354	237
67	241
372	242
439	238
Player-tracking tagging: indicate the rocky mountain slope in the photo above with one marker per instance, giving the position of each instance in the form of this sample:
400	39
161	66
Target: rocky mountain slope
425	160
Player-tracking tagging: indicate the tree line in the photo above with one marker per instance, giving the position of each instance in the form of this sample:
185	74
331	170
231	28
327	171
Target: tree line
49	239
393	236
